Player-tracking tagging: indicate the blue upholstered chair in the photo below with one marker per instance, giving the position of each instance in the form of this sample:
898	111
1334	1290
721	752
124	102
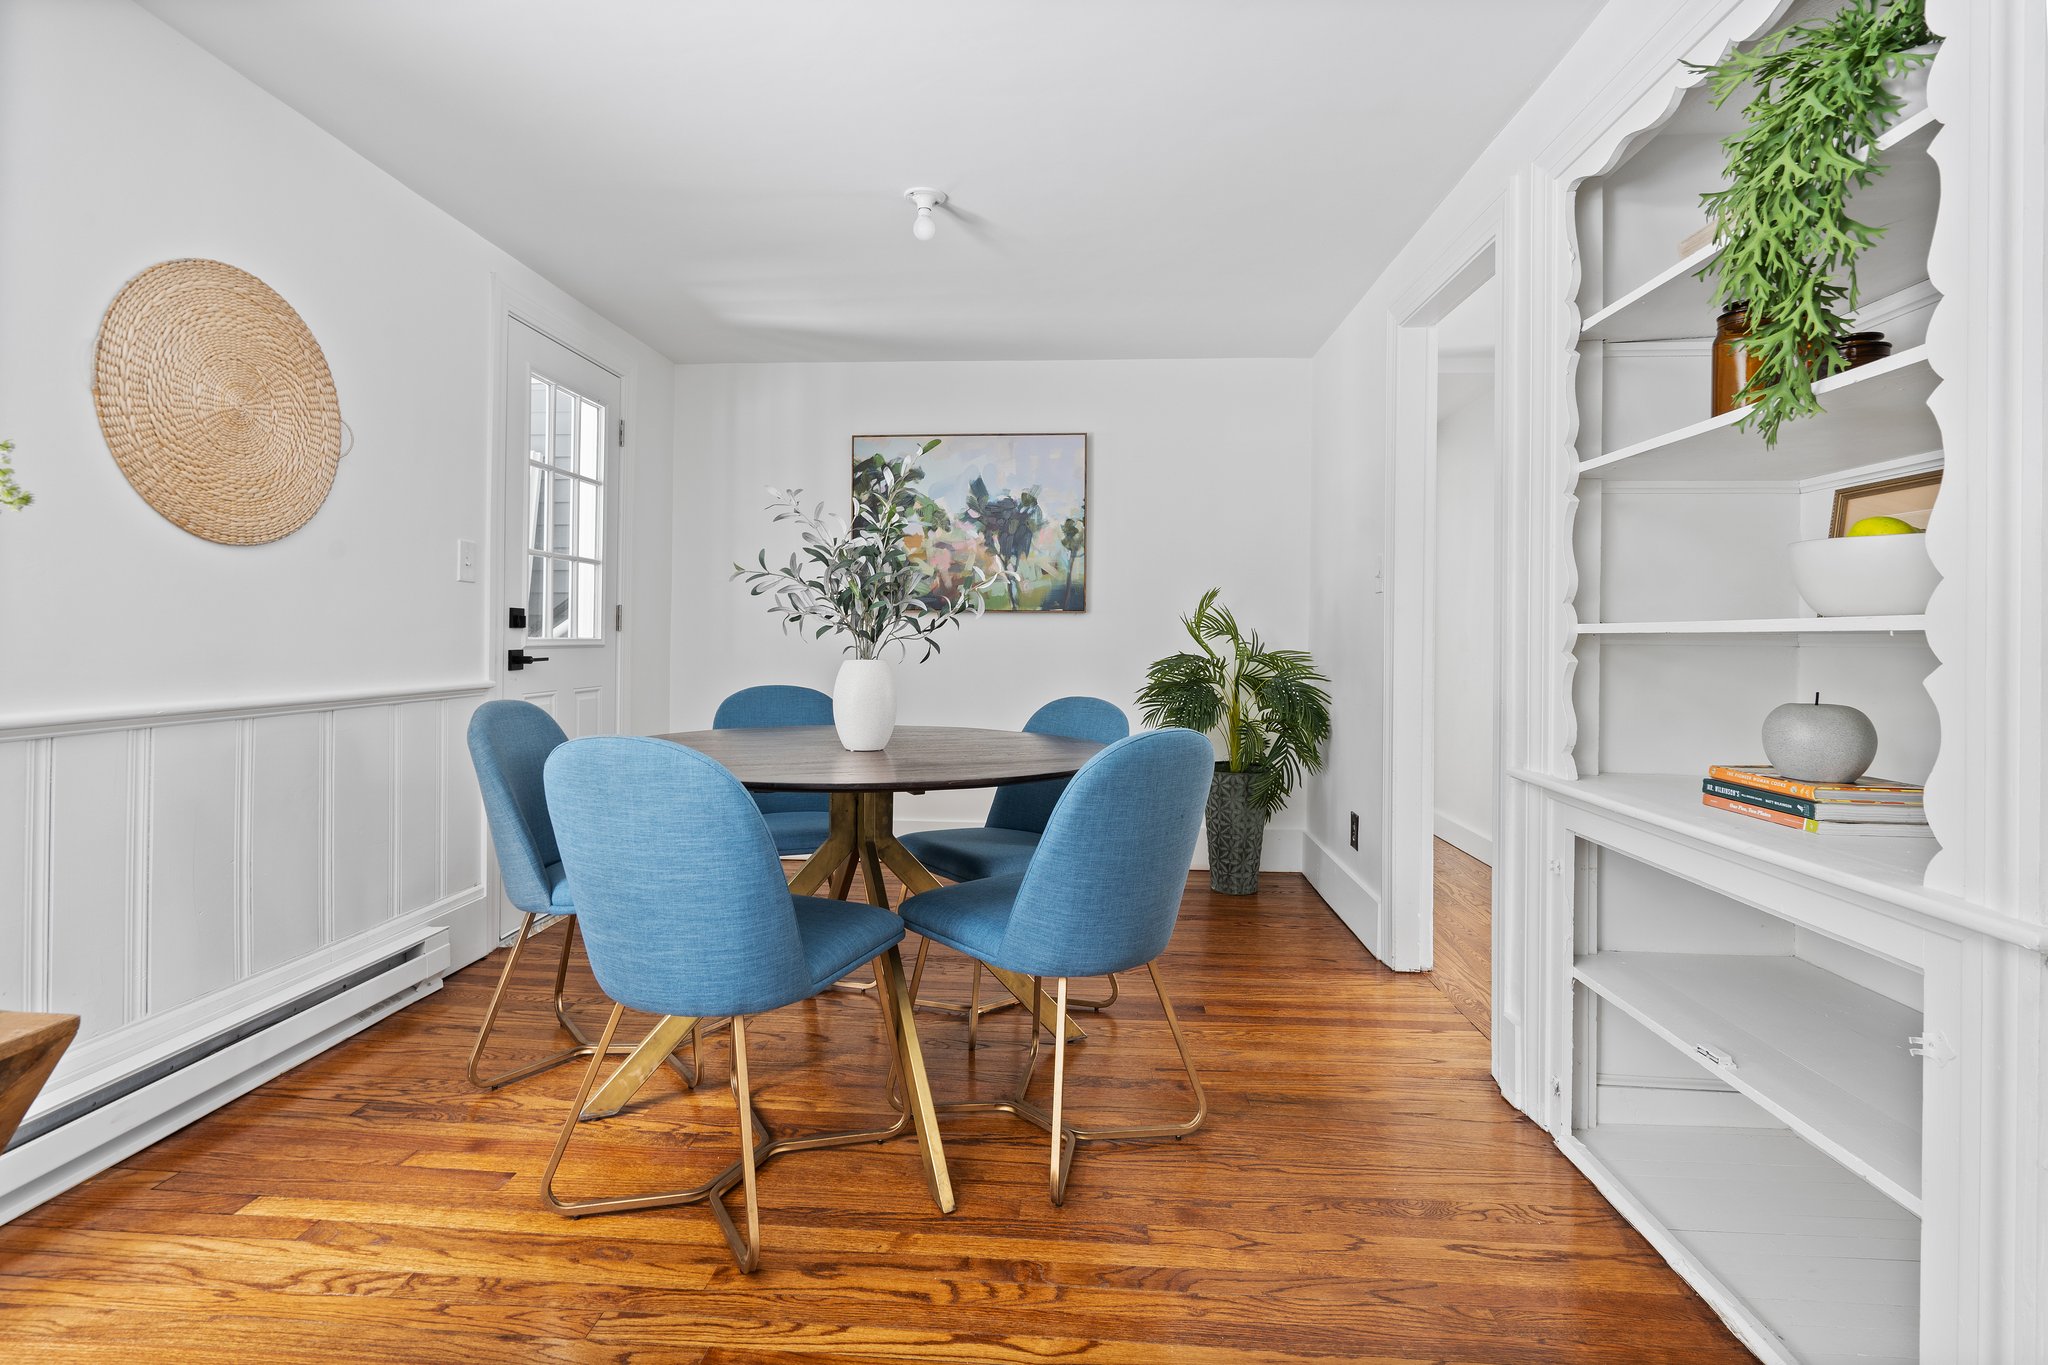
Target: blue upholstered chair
798	820
1004	843
685	913
509	741
1101	894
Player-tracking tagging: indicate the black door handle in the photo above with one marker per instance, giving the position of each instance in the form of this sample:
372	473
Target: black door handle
516	659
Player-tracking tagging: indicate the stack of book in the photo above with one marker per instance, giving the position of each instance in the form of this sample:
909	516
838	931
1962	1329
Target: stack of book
1867	806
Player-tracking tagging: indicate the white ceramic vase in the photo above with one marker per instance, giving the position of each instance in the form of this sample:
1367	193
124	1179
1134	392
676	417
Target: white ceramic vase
864	704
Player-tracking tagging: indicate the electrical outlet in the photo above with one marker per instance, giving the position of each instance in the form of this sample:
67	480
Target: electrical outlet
465	561
1354	829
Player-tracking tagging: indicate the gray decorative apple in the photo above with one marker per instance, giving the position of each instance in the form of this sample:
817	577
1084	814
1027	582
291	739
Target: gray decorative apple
1809	742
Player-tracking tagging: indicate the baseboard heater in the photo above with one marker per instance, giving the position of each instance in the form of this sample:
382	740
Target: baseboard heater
56	1149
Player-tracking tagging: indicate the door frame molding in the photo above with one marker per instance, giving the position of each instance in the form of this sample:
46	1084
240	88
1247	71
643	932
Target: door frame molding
1408	666
509	305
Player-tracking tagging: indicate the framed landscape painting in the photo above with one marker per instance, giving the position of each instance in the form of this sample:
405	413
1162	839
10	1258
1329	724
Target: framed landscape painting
1016	505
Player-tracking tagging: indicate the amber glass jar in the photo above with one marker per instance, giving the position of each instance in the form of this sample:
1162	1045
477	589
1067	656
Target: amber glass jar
1734	362
1860	348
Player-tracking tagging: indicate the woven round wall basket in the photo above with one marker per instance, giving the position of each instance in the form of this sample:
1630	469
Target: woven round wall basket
216	402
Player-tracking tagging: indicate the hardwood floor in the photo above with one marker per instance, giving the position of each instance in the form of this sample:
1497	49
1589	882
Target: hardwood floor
1464	934
1361	1193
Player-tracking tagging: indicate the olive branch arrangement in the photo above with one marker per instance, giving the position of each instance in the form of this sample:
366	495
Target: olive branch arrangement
12	494
859	579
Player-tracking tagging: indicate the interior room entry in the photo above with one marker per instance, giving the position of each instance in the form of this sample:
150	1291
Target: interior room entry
557	608
1466	471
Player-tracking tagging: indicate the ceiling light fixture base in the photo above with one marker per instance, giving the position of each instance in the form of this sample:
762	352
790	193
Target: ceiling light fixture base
926	199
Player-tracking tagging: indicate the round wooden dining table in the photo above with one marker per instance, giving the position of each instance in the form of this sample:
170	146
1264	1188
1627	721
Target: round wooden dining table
862	788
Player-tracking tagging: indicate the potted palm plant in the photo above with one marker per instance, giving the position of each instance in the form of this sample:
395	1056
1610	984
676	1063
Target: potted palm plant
1274	717
860	580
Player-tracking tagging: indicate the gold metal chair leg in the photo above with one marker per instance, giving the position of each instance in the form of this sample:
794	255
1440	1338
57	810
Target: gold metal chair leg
758	1145
584	1046
672	1061
974	1003
1104	1002
1068	1137
746	1250
579	1208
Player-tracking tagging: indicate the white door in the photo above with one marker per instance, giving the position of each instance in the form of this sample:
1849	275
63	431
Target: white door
559	581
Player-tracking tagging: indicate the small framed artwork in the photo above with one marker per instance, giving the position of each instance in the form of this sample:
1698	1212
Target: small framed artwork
1909	498
1013	504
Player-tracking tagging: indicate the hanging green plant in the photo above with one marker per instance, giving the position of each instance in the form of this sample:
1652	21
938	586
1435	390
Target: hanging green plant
1817	106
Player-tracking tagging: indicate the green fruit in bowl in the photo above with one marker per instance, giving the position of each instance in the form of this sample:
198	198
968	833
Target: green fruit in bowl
1884	526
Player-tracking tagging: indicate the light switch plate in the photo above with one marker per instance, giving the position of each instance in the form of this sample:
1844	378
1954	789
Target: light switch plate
465	561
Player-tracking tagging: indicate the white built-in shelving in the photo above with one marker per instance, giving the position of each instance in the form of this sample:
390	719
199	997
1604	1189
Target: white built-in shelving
1873	413
1828	1057
1782	625
1676	302
1883	869
1827	1268
1747	1018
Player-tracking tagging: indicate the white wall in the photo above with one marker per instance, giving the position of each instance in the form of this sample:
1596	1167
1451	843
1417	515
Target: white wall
1467	460
1614	62
122	145
1196	472
162	879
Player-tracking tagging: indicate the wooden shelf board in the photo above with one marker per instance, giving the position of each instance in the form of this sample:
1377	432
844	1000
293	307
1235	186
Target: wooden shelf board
1813	1265
1874	412
1784	625
1826	1056
1673	304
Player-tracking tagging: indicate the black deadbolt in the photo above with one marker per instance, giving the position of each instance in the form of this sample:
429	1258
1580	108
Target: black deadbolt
518	618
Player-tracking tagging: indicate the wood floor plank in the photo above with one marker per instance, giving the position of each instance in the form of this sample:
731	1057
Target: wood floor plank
1463	915
1361	1193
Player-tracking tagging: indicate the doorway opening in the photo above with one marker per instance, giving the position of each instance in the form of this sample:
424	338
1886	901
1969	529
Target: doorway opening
1463	746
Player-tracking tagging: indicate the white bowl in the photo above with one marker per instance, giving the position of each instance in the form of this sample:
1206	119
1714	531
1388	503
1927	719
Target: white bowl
1865	575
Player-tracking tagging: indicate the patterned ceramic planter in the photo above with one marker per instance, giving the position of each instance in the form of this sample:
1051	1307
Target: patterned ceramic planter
1237	834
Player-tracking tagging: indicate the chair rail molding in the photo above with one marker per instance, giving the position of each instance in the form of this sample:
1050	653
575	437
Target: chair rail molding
172	875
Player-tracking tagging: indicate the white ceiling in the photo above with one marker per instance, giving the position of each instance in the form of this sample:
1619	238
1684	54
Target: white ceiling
1130	178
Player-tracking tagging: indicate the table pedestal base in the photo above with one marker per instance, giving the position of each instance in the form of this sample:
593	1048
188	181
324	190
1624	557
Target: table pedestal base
863	835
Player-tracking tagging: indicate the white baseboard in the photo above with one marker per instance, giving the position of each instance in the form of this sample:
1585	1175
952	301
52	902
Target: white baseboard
1464	838
1283	851
34	1171
1356	905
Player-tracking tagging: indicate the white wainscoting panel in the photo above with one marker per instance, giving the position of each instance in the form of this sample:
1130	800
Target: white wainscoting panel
162	876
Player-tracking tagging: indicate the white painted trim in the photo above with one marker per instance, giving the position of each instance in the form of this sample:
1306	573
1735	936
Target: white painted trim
89	722
46	1166
1464	837
1408	670
1354	903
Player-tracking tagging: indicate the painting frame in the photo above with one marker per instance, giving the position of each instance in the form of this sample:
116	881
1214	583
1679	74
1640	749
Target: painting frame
1050	576
1884	497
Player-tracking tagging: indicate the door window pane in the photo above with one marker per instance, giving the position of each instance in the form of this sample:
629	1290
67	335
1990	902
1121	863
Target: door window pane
565	502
